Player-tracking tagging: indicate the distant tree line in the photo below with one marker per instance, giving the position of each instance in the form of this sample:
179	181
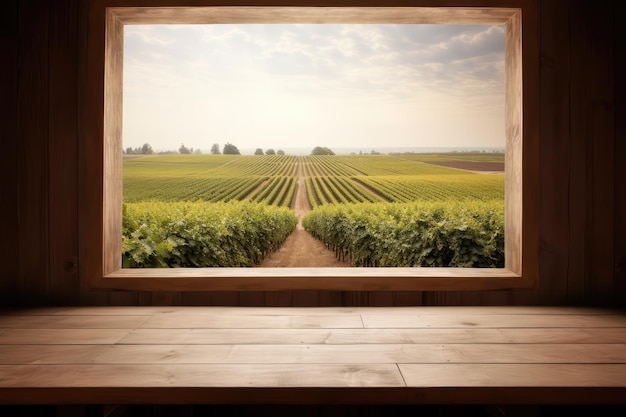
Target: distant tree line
146	149
228	149
270	151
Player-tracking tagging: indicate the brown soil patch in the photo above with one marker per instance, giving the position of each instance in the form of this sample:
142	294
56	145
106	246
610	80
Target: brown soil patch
475	166
301	249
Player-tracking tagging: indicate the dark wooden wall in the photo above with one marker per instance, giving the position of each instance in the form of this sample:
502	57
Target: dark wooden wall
583	128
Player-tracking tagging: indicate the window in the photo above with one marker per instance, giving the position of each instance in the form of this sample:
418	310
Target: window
101	223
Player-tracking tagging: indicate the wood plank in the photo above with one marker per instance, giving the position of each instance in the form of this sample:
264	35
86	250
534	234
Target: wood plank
32	156
492	321
254	321
219	298
84	123
196	375
507	364
620	151
579	194
60	336
514	375
338	15
318	311
361	354
9	171
555	155
160	298
601	114
62	153
50	354
372	336
71	322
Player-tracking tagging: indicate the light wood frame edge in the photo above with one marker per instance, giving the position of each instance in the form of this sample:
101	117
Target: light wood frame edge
101	220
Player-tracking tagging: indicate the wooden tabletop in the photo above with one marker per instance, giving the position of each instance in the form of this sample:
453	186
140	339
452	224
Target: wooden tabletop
413	355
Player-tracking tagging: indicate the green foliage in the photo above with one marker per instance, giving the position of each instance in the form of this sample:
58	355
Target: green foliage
259	151
230	149
443	234
439	216
322	150
215	149
185	150
187	234
146	149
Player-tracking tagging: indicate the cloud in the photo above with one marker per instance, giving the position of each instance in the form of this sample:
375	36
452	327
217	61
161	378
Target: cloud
394	75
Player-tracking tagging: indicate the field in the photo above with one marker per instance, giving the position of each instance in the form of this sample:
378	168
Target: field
379	187
329	179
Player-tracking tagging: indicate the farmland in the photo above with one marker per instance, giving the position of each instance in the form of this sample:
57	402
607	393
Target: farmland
271	179
382	186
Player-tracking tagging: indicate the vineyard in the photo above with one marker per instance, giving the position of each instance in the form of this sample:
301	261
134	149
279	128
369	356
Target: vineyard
469	234
272	179
183	234
211	178
364	190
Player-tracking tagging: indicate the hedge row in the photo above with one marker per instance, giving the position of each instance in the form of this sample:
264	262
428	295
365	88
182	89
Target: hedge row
444	234
198	234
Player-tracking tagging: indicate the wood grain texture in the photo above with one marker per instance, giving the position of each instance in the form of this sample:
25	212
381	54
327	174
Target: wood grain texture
63	152
61	336
32	156
333	15
555	153
305	311
601	135
338	354
236	376
9	171
212	321
620	149
518	375
70	322
364	336
224	355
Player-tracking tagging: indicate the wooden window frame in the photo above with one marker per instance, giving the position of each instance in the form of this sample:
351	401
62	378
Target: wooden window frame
102	192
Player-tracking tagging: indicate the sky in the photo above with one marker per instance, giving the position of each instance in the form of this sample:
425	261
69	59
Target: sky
306	85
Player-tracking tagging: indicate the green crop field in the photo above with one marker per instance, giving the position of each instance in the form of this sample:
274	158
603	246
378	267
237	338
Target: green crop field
357	194
210	178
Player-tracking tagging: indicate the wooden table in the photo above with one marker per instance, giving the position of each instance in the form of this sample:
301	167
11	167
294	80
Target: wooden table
237	355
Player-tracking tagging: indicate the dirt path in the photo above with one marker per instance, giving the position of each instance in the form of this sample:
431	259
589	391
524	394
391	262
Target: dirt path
301	249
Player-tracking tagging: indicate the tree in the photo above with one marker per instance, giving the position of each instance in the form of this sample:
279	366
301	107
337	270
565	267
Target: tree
280	152
322	150
270	151
215	149
198	151
146	149
230	149
184	150
129	151
258	151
